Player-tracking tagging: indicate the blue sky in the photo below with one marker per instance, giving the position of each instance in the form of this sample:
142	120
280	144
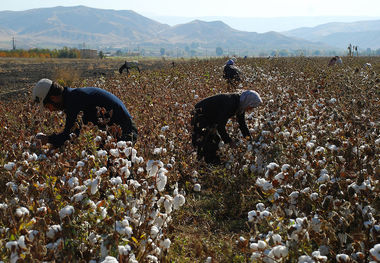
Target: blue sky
235	8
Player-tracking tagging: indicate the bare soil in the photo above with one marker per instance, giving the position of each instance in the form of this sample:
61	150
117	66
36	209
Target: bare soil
18	75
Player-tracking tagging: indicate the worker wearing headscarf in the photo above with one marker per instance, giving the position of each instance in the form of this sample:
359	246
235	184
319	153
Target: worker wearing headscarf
210	117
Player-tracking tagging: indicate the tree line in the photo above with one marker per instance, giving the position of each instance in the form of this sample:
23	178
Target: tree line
65	52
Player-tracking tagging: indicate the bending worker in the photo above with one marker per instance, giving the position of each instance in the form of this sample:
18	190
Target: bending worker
210	118
96	104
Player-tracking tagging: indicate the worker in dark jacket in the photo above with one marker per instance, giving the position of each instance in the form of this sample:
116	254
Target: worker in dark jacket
230	72
210	117
99	106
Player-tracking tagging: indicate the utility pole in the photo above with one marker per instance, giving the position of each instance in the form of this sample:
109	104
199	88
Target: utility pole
13	43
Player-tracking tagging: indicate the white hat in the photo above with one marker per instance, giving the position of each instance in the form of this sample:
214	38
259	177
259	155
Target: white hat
249	98
41	90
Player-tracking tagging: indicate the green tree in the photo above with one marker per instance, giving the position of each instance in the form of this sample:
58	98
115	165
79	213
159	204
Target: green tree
219	51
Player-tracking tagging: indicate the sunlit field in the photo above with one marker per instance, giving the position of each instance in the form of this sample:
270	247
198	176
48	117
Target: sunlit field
306	189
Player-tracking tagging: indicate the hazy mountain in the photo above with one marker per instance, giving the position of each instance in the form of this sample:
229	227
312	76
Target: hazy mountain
365	34
73	26
262	24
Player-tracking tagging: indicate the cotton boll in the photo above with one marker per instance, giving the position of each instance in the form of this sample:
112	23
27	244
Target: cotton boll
161	181
154	231
166	243
305	259
179	200
261	245
66	211
317	255
22	211
53	230
197	187
110	259
260	207
341	258
9	166
276	238
252	215
375	252
280	251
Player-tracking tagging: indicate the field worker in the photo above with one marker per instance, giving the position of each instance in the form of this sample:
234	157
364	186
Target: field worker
210	117
95	103
230	71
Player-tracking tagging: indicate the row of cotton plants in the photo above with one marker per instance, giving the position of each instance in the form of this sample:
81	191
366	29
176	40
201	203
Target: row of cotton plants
108	203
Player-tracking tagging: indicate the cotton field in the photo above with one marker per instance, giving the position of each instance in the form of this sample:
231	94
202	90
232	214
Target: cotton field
304	189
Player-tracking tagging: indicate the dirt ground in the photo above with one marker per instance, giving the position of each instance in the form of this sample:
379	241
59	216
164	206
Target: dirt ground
18	75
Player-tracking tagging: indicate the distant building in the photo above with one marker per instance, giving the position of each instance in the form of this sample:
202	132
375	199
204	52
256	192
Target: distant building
88	53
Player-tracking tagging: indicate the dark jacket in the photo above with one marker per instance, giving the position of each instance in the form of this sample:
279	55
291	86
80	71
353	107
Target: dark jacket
88	100
216	110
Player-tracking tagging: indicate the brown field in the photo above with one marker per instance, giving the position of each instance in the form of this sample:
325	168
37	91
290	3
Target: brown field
304	189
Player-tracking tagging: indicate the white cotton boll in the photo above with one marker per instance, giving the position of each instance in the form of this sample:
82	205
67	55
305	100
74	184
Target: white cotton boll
314	196
333	148
305	259
21	242
280	251
166	243
272	166
165	128
66	211
161	181
110	259
22	211
80	164
9	166
266	185
98	138
179	200
252	215
77	197
197	187
208	260
11	244
375	252
254	246
154	231
114	152
32	234
168	204
260	207
285	167
261	245
319	150
116	180
276	238
342	258
101	153
121	144
32	158
72	182
317	255
94	185
125	171
323	178
124	250
103	212
53	230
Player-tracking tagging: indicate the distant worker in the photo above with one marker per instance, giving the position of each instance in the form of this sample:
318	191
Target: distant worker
335	61
231	72
96	104
129	65
210	117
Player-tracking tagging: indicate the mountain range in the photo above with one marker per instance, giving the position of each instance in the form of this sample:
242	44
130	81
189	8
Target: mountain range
117	29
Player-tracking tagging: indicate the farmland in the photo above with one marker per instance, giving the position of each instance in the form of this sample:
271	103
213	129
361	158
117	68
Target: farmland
305	189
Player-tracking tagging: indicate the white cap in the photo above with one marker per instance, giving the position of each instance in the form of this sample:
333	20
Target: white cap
41	90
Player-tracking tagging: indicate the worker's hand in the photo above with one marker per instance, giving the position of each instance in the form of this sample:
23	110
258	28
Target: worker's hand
42	138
